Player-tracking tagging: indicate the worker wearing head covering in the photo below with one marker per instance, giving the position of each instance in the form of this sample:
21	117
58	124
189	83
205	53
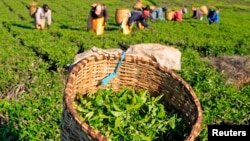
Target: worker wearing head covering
136	17
97	18
178	14
138	6
139	17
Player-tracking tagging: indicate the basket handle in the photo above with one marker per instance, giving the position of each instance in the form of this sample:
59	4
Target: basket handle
106	80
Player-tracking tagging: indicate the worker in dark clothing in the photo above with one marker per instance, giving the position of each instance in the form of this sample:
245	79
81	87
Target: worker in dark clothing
138	17
213	16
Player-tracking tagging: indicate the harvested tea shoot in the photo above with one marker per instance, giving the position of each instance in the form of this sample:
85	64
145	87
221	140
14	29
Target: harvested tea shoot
130	115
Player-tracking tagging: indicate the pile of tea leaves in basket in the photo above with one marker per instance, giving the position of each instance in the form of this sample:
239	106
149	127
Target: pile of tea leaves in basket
130	115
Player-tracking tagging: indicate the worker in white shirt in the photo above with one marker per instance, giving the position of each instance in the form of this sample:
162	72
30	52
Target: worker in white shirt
42	15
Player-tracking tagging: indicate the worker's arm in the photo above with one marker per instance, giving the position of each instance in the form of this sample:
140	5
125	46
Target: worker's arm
49	18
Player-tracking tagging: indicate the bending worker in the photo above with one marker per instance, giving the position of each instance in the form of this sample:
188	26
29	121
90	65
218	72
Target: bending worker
213	16
136	16
42	14
178	14
197	13
157	13
97	19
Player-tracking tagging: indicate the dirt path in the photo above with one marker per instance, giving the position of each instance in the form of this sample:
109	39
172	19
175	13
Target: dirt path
235	68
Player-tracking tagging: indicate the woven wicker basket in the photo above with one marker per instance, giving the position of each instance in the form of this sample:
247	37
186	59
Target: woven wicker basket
120	14
204	9
135	73
169	15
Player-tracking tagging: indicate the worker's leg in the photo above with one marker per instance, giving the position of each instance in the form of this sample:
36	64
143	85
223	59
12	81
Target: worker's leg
125	28
41	24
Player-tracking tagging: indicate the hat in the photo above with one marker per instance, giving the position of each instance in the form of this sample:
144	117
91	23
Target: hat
98	9
33	4
152	7
138	5
94	4
184	10
146	13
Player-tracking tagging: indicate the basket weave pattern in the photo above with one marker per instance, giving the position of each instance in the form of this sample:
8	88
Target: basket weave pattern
136	73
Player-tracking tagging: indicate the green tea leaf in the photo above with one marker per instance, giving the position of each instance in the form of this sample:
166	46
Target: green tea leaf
99	100
145	138
161	113
117	114
80	109
118	122
158	98
172	122
122	92
116	107
89	115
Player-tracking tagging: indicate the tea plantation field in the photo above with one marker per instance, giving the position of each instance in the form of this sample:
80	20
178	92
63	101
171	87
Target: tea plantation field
33	63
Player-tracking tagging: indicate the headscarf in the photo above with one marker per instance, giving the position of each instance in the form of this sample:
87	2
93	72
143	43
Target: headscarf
146	13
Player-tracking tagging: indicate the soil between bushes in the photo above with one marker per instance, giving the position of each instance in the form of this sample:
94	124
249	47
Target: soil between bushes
236	69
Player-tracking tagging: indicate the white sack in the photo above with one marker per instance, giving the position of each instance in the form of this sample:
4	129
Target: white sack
164	55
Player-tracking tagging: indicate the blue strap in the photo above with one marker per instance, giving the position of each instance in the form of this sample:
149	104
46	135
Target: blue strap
113	74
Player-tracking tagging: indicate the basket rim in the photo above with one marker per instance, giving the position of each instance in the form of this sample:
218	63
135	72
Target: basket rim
196	127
